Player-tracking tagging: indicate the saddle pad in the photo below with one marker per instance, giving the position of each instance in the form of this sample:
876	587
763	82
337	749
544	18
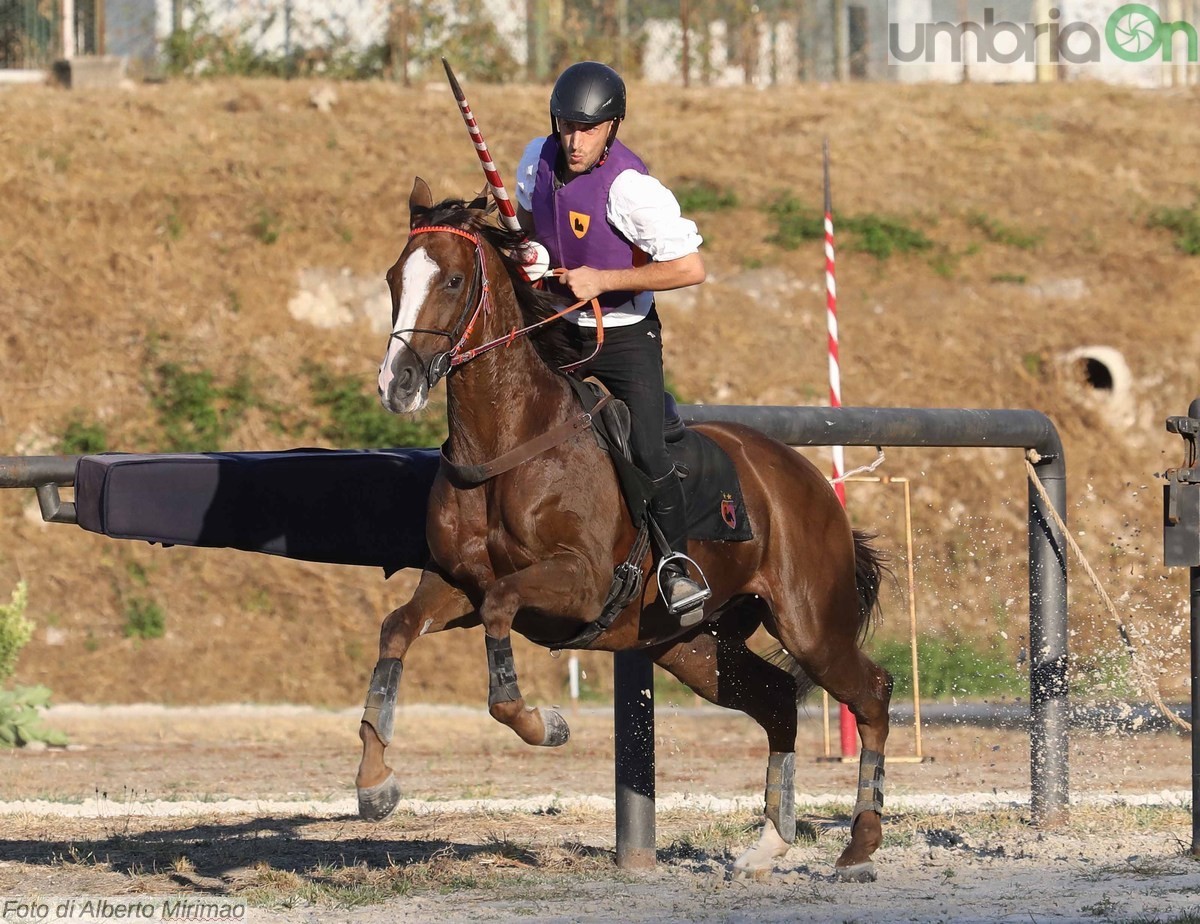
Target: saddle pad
347	507
712	489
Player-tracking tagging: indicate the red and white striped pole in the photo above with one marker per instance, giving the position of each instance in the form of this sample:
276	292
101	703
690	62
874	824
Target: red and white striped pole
508	215
846	723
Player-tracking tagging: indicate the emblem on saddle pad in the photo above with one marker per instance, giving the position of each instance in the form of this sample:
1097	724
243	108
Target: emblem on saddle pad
728	511
579	223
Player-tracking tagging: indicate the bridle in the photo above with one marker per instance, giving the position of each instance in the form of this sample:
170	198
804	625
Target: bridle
444	363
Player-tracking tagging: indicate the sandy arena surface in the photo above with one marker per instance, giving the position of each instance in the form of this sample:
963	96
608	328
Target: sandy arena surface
251	804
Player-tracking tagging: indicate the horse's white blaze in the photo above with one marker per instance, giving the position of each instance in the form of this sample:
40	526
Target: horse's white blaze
416	280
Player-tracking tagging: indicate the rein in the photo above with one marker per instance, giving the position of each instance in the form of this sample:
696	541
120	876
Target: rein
444	363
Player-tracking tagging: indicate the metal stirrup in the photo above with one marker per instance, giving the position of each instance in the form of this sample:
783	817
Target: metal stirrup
690	602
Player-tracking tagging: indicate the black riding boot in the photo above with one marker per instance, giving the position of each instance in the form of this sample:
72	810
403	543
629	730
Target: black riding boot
684	595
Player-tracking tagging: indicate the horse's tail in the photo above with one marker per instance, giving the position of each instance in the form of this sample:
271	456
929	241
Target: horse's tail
870	565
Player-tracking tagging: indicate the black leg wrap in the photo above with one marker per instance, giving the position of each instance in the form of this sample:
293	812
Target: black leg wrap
781	793
870	784
380	710
502	672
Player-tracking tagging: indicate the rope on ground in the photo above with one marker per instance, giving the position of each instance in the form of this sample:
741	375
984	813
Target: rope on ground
1148	684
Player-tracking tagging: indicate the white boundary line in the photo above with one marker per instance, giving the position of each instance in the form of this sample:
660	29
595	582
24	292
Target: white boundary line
534	805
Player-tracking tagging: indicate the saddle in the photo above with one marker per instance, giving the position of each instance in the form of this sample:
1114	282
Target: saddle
711	488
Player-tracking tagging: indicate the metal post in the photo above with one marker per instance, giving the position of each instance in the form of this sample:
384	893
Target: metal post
633	726
1181	548
1195	702
1194	413
1048	699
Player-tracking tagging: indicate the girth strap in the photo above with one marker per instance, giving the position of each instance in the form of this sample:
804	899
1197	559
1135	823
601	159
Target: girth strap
626	584
478	474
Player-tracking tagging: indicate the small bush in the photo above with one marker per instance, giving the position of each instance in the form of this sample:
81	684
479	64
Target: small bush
196	415
704	196
20	721
358	421
266	226
1185	222
144	619
795	223
881	237
82	438
15	630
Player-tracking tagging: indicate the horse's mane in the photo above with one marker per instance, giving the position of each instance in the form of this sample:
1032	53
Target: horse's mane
534	303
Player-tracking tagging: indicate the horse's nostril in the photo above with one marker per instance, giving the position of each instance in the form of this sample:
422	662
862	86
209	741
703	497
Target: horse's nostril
404	380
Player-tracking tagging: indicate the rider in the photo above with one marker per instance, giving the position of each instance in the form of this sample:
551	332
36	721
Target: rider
619	235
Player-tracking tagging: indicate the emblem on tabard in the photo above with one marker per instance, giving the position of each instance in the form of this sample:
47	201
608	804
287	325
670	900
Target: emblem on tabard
579	223
729	511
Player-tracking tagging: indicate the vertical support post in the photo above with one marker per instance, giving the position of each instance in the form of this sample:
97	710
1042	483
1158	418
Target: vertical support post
841	64
68	29
633	726
1194	413
1195	588
1048	693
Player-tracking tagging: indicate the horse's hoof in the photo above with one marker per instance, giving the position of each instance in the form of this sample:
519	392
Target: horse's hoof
375	803
558	732
747	874
857	872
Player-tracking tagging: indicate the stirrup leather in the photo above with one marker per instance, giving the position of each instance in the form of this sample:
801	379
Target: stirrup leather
690	602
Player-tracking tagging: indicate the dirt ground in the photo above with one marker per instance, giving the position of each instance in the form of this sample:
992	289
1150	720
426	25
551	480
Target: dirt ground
255	805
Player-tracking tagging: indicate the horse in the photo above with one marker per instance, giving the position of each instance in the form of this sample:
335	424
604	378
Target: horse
529	541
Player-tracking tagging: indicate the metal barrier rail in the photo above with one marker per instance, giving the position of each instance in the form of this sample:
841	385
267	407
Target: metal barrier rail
814	426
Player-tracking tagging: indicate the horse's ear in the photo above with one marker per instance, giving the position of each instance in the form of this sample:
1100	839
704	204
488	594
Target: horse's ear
420	198
480	202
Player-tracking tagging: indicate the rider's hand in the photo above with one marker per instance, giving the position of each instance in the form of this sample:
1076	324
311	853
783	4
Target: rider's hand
584	282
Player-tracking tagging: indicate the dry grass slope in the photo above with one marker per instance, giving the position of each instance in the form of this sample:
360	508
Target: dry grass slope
170	224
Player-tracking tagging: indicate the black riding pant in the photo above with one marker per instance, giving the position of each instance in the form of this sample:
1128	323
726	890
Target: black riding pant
630	365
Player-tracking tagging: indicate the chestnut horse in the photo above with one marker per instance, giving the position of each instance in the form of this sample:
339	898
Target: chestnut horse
532	547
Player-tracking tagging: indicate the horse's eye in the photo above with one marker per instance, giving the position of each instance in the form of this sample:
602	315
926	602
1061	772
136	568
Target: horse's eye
454	281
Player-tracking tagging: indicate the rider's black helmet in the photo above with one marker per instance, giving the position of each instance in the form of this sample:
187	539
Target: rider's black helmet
588	92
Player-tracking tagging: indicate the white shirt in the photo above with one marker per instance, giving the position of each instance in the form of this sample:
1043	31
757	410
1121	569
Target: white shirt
645	213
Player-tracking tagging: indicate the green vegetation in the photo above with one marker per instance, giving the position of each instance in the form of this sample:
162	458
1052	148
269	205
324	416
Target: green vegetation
1185	222
877	235
999	233
266	226
144	619
20	721
458	29
15	630
82	437
173	224
881	237
358	421
952	666
195	414
795	223
704	196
